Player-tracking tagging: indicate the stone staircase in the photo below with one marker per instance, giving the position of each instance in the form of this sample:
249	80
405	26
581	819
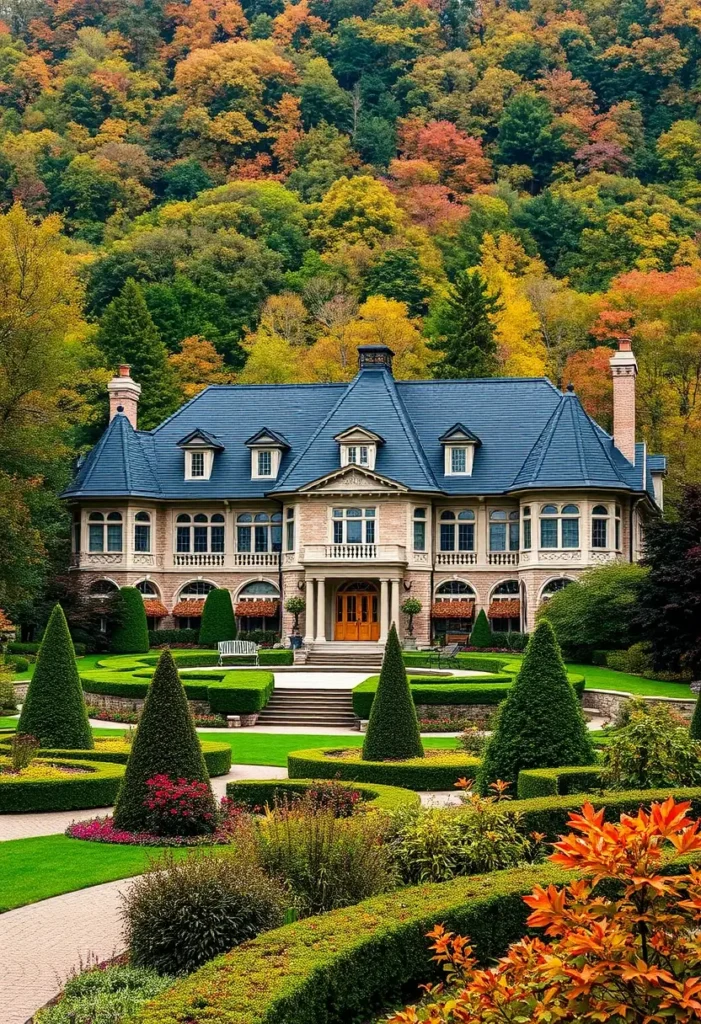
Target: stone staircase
360	656
308	708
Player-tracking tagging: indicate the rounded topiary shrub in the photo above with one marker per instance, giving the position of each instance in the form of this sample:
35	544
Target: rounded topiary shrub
54	710
218	622
130	635
393	728
166	743
481	635
540	724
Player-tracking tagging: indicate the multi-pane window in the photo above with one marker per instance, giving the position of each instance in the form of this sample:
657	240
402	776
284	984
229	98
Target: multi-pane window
147	588
198	588
559	526
353	525
358	455
602	523
454	590
199	533
527	531
290	530
142	532
196	464
457	530
554	587
458	460
105	531
265	463
259	532
503	531
419	529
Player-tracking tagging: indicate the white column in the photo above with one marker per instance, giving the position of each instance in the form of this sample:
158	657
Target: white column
394	616
384	610
309	611
482	544
321	613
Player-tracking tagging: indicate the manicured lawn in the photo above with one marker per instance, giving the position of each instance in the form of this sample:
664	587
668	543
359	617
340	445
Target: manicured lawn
272	748
35	869
8	723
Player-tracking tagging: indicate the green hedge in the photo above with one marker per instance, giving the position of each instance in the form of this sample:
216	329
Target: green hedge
536	782
469	690
98	788
348	965
419	773
18	647
275	657
470	662
240	693
162	637
259	792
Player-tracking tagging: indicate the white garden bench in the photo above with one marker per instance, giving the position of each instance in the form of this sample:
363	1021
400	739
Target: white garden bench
237	649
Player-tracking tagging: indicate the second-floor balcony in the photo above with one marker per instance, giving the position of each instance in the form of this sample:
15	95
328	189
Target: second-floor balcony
354	553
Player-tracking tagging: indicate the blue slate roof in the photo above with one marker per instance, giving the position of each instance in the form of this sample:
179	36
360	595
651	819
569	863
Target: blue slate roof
531	436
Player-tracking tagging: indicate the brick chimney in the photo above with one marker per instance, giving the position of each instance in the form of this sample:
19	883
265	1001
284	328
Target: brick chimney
124	395
624	368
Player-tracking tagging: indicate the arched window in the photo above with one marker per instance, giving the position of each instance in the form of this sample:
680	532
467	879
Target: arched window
261	532
454	590
197	588
559	526
554	587
257	589
506	590
503	530
103	588
353	525
147	588
457	530
526	528
142	532
199	533
505	607
105	531
605	527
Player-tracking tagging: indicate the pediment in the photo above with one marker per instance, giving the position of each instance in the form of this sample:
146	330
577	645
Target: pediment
459	434
353	480
200	439
358	435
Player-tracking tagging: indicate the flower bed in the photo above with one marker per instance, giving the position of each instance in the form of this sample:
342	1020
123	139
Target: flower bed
252	793
92	783
102	830
439	770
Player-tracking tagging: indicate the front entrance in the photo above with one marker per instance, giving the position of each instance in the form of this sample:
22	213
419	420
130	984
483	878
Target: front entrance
357	612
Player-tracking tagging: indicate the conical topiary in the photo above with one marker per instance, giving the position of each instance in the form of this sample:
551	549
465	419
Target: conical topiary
54	709
393	730
481	635
695	726
218	622
540	724
130	634
166	743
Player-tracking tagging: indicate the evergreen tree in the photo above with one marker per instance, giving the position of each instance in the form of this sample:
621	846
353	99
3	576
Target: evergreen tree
397	275
528	135
128	335
481	635
540	724
54	709
669	599
463	329
218	622
130	634
695	726
166	743
393	730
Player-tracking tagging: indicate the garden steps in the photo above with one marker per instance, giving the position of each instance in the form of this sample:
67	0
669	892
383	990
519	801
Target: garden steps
305	707
357	655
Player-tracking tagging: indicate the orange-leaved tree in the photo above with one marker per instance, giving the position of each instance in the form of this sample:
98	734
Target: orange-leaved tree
625	951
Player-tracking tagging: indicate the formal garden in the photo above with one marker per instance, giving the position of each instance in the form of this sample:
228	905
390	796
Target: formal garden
558	882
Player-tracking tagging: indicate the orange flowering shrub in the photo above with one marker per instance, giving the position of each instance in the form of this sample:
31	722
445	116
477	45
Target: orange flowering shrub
628	951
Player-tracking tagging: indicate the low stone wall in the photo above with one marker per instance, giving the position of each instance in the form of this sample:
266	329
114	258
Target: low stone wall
105	702
609	702
476	714
21	691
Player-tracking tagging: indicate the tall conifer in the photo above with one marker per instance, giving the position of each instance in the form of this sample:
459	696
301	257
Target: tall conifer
462	326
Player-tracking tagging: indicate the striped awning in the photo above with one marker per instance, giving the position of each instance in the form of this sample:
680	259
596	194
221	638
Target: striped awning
258	609
453	609
188	608
155	609
510	609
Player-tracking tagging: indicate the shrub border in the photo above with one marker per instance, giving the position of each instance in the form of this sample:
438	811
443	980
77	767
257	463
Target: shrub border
538	782
435	773
258	792
217	756
79	792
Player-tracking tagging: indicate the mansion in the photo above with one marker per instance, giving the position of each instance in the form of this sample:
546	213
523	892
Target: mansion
465	494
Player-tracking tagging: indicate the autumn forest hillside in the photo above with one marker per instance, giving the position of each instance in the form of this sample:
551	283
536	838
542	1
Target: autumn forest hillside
222	190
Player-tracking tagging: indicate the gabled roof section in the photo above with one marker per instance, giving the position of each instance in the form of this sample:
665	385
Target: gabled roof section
372	399
208	440
268	438
573	451
458	433
358	433
353	479
120	463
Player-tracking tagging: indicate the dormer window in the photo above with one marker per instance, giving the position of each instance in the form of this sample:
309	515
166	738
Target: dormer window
267	448
358	447
459	445
199	449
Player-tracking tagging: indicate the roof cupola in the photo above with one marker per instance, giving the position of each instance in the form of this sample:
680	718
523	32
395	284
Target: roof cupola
375	357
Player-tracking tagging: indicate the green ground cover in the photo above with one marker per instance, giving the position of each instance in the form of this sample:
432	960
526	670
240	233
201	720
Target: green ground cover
44	866
8	723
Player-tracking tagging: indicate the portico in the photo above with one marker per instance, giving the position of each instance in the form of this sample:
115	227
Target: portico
355	608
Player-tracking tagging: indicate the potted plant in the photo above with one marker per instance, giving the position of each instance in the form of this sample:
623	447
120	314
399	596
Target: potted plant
411	607
295	605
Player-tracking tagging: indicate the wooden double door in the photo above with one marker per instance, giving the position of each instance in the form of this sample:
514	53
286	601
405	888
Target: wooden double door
357	613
